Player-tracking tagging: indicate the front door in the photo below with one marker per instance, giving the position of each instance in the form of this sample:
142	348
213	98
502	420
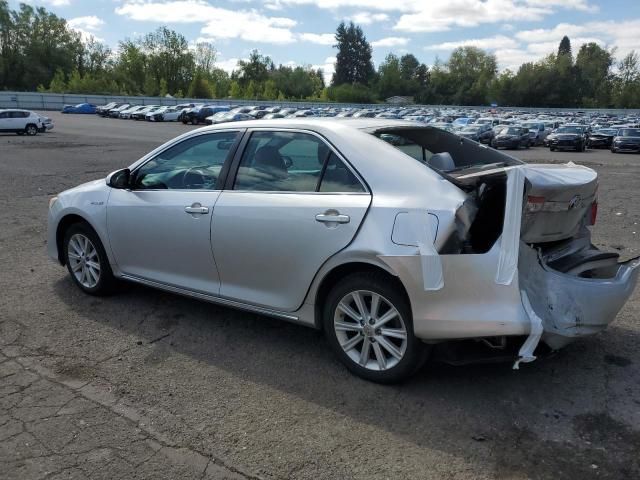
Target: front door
159	230
294	203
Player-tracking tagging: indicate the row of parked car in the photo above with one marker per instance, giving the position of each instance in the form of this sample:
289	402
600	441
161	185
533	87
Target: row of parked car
505	129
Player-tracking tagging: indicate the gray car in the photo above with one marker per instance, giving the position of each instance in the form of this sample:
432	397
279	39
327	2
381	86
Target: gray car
390	236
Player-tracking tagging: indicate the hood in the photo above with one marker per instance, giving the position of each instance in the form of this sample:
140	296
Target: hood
628	139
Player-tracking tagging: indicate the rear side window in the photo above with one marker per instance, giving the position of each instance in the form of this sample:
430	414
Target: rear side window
338	178
4	114
292	162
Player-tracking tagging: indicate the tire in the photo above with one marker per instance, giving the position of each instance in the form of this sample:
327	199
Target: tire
83	272
409	352
552	149
31	130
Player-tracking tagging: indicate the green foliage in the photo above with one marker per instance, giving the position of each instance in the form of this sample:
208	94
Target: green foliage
351	93
199	87
58	83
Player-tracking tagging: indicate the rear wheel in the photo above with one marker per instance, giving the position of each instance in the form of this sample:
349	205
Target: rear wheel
367	322
87	261
31	130
552	149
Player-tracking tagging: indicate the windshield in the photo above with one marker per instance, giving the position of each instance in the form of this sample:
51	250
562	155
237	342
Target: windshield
470	129
630	132
484	121
606	131
577	130
422	143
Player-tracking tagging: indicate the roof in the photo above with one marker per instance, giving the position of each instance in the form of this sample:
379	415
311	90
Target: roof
330	123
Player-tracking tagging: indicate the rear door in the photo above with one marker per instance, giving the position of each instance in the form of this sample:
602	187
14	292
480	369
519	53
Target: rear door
289	204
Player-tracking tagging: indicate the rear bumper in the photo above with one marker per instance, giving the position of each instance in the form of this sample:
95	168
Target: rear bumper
571	306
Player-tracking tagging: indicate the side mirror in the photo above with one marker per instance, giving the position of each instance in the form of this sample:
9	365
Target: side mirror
119	179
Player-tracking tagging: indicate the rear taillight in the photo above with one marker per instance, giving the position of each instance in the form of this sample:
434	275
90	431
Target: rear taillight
535	204
594	213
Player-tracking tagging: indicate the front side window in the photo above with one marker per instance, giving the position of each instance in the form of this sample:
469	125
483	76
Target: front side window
292	162
193	164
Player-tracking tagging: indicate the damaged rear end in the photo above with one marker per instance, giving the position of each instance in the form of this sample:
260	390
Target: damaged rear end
518	258
568	287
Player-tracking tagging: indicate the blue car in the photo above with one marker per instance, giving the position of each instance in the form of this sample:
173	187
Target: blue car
85	108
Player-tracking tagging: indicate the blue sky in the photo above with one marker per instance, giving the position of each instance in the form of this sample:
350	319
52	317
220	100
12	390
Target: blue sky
300	32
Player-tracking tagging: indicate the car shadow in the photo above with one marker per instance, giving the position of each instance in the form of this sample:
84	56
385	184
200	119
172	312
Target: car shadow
479	411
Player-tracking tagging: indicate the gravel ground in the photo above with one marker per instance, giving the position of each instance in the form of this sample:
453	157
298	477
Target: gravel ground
146	384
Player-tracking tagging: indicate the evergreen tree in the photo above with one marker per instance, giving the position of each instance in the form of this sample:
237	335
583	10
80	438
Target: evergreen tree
353	61
565	47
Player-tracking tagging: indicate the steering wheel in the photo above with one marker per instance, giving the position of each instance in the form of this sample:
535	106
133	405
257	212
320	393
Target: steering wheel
194	172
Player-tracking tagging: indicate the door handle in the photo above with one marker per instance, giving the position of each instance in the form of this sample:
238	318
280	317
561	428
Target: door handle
332	216
197	208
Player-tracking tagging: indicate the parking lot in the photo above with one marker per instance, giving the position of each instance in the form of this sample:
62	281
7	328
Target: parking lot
145	384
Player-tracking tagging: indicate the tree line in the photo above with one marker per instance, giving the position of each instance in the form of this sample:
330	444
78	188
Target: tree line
40	51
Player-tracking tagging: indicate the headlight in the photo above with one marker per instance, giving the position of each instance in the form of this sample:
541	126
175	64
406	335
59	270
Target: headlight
52	201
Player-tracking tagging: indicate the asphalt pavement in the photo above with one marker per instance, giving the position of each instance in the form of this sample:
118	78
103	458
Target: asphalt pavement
145	384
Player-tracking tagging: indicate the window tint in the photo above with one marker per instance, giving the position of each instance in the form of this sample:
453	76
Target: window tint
4	114
193	164
338	178
18	114
281	161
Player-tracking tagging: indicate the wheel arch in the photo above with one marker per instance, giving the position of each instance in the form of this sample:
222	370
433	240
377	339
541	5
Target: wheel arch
343	270
63	225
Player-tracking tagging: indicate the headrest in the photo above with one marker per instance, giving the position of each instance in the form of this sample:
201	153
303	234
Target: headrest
269	160
442	161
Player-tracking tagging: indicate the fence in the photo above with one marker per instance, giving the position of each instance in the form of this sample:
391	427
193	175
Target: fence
55	101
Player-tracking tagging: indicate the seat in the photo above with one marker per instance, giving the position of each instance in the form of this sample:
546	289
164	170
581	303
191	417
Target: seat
268	160
442	161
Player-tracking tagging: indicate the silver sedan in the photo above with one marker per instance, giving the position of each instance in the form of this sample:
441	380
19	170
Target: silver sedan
391	236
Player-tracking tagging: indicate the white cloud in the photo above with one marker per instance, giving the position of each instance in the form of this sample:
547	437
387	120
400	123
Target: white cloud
228	65
624	35
319	38
491	43
367	18
390	42
328	67
91	22
58	3
442	15
87	27
220	23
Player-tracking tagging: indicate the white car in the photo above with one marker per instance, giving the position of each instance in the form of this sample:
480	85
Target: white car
22	122
155	115
126	114
174	114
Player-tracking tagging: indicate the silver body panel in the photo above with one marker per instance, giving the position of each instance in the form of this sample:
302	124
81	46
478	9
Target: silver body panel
265	251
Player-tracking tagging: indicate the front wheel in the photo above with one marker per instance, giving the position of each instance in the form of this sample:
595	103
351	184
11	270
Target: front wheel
87	260
31	130
368	323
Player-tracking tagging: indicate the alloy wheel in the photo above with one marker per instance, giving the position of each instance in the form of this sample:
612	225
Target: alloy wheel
83	260
370	330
